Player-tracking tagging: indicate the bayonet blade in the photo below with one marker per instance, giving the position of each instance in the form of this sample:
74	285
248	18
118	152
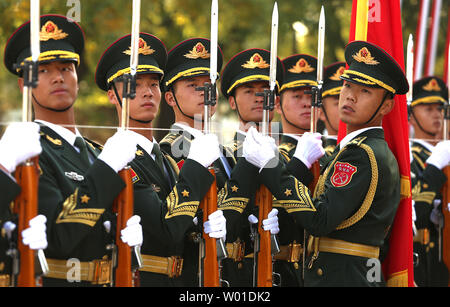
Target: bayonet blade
135	37
273	49
410	68
214	40
34	30
320	47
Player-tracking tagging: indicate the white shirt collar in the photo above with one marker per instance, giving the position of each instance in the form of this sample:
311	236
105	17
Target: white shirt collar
424	144
354	134
65	133
195	132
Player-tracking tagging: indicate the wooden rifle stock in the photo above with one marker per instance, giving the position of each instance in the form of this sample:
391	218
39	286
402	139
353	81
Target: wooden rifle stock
26	207
211	276
315	170
123	206
446	213
264	201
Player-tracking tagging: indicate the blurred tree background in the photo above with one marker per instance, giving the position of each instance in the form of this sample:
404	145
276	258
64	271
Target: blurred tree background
242	24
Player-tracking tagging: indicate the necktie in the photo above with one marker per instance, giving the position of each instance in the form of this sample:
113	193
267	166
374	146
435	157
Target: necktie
81	145
158	157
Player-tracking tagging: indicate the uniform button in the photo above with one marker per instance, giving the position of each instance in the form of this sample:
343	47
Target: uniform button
296	266
319	272
240	265
431	244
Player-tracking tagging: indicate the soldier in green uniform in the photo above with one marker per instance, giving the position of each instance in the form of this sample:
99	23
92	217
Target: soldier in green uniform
165	198
359	190
300	75
244	76
430	156
187	70
329	112
19	143
77	183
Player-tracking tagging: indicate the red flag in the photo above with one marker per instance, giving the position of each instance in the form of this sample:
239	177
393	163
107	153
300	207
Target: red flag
384	18
446	48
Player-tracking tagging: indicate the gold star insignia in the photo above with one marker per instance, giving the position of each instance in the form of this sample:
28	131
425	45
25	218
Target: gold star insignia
234	188
185	193
85	199
288	192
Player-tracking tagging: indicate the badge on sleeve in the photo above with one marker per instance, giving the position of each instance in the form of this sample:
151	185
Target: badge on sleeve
342	174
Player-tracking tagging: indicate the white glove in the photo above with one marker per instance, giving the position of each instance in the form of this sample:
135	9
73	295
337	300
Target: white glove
309	148
205	149
258	149
252	219
132	234
19	143
271	223
441	155
216	225
119	150
35	236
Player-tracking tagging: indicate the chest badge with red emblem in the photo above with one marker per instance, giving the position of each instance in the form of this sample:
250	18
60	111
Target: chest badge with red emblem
342	174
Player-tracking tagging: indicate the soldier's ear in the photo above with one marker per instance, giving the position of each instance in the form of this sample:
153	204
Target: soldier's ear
278	104
322	114
388	105
168	97
232	102
112	96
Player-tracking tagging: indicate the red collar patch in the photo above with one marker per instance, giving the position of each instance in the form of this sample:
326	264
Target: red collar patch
343	173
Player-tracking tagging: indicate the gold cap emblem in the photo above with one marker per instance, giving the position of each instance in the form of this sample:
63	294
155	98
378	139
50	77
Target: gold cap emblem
51	31
256	61
143	48
364	56
432	86
302	66
199	51
338	74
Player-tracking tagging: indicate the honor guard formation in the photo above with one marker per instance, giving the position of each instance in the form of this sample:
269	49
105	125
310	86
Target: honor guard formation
292	208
